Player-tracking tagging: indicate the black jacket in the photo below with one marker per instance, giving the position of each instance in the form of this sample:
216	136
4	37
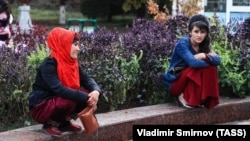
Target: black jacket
47	85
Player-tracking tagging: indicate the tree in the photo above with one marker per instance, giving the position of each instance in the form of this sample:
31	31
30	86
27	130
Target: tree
128	5
140	6
165	4
155	10
101	8
190	7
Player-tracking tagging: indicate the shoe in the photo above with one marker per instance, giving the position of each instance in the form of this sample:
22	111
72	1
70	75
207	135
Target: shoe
69	126
74	127
182	103
201	106
52	130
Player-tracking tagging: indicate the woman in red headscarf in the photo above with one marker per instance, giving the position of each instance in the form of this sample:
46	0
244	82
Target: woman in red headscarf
57	94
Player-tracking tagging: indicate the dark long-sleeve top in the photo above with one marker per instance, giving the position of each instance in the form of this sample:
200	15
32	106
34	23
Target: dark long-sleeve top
183	56
47	85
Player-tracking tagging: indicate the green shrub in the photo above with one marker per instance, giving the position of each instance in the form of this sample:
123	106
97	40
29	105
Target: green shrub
36	57
231	78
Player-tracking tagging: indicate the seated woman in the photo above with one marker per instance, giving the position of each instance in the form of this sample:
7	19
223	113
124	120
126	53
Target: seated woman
192	75
4	27
5	21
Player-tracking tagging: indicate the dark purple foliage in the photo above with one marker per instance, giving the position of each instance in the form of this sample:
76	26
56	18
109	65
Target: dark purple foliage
241	40
28	41
178	25
16	77
101	48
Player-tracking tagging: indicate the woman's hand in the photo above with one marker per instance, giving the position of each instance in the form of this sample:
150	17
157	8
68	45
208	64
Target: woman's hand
212	53
93	98
200	56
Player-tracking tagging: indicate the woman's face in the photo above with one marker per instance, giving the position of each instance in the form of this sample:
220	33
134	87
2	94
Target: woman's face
75	49
197	35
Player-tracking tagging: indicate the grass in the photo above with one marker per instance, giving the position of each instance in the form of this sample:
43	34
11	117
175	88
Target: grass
50	17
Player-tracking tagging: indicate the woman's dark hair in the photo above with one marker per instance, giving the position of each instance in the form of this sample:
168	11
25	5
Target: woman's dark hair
197	17
4	7
201	22
76	38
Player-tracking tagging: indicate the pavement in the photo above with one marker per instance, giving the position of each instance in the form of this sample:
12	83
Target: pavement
117	125
240	122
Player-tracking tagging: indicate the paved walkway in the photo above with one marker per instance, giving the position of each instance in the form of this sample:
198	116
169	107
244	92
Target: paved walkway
240	122
117	125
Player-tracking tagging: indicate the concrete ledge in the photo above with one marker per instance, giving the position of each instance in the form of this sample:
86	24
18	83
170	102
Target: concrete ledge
117	125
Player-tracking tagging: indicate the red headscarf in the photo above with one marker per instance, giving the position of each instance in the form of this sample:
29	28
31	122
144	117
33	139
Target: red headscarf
60	41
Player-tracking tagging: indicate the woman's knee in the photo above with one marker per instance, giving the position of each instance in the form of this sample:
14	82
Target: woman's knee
62	103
